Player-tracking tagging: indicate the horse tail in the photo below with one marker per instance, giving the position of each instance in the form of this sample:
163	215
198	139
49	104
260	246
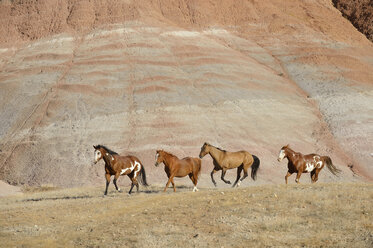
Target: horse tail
142	176
255	167
331	166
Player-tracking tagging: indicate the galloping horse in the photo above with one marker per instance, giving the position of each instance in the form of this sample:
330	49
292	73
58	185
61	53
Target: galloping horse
120	165
175	167
299	163
224	161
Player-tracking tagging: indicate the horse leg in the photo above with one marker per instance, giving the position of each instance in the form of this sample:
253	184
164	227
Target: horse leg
299	173
194	181
115	181
168	183
137	186
316	175
212	176
173	184
239	170
313	173
132	184
107	176
245	174
287	175
222	176
134	181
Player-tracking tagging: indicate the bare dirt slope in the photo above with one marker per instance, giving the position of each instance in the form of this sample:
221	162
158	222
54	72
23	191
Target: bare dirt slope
143	75
258	216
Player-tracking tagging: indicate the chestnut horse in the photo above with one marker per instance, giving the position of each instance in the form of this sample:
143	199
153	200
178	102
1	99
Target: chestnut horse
116	165
175	167
224	161
299	163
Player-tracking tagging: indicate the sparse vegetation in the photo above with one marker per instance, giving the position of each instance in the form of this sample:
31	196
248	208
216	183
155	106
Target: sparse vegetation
41	188
317	215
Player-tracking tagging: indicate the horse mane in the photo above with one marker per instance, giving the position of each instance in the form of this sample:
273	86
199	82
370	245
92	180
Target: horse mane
107	149
291	150
169	154
222	150
287	147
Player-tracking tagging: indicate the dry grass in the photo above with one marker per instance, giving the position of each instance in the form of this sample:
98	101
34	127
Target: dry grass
321	215
42	188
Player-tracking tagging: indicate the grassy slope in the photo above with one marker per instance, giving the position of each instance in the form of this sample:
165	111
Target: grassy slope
338	215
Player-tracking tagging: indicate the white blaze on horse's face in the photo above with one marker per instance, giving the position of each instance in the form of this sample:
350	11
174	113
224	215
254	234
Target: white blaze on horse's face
98	155
281	155
156	159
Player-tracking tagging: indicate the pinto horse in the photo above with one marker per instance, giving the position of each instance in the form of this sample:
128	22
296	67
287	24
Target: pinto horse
120	165
224	161
299	163
175	167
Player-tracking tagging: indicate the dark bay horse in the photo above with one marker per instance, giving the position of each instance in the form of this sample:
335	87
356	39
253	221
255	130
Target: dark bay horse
116	165
175	167
224	161
299	163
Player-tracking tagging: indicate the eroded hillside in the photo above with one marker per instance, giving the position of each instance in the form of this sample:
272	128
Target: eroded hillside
143	75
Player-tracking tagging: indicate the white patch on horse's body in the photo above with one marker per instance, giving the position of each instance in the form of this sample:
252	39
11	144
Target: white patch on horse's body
133	166
107	154
112	158
195	189
138	168
310	166
124	171
318	161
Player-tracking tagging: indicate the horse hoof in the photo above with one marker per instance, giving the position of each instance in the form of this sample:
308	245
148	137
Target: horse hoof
229	182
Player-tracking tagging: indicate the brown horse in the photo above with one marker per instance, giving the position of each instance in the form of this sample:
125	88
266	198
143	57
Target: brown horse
224	161
175	167
299	163
116	166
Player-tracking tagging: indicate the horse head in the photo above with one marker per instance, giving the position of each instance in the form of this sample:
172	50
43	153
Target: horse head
159	157
282	153
98	153
204	150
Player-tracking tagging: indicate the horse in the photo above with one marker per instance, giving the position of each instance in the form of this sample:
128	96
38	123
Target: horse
116	165
175	167
299	163
224	161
